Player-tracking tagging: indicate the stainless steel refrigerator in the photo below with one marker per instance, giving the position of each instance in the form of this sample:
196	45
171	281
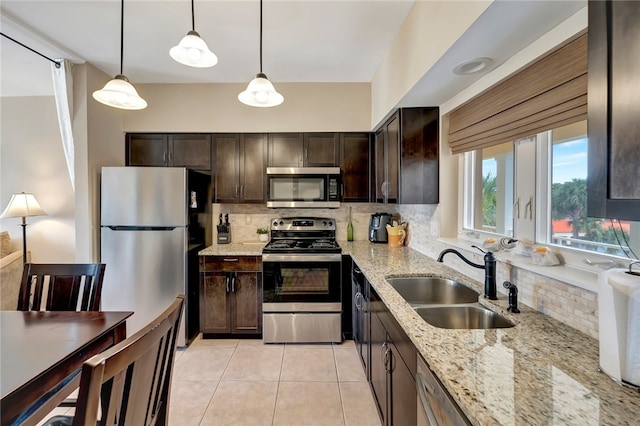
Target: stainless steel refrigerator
154	220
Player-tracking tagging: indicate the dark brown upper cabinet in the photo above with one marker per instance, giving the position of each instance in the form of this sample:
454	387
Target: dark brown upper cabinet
240	167
355	166
613	183
406	157
303	150
321	150
169	150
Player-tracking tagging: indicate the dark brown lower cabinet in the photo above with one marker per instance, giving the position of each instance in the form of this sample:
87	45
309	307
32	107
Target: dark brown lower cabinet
230	295
392	379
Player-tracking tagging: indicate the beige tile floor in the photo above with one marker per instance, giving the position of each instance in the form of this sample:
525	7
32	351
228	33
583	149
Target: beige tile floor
245	382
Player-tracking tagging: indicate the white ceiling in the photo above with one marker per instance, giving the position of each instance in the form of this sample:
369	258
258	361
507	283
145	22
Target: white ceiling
303	40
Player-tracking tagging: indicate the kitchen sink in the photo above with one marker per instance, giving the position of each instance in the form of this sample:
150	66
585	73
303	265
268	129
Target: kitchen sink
432	290
462	317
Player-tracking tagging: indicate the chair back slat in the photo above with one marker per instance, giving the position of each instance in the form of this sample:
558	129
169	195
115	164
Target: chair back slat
61	287
134	377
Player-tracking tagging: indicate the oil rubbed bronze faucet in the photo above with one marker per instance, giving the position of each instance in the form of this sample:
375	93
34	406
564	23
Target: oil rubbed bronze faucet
489	269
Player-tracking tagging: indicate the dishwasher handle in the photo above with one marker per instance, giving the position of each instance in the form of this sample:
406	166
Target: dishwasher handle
424	388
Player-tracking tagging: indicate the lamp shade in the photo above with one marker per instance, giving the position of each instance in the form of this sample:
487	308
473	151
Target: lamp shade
260	93
193	51
119	93
23	205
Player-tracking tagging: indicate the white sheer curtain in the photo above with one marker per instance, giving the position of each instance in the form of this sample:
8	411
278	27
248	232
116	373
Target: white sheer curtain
63	90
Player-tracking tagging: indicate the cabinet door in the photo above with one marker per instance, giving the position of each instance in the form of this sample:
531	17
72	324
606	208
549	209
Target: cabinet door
354	163
285	150
380	164
321	150
214	312
146	150
613	110
419	156
392	149
403	398
379	359
246	315
227	168
192	151
252	168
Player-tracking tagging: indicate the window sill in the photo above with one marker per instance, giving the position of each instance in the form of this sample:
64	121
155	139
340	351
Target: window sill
577	277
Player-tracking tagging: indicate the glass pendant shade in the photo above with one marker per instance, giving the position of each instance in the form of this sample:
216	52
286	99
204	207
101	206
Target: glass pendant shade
260	93
193	51
119	93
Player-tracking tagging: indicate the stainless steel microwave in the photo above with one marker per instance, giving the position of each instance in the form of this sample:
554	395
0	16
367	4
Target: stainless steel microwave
303	187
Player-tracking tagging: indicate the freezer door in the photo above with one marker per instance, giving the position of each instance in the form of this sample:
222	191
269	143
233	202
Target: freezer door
145	272
143	196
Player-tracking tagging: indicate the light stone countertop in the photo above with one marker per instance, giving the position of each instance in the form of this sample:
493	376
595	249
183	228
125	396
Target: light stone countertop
540	372
233	249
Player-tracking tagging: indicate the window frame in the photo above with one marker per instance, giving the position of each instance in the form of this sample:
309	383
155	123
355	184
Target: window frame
573	257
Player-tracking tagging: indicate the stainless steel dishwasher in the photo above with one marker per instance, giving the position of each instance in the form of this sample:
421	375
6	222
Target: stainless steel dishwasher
435	406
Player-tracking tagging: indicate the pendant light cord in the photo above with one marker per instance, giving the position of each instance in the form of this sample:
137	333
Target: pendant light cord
193	18
260	36
121	33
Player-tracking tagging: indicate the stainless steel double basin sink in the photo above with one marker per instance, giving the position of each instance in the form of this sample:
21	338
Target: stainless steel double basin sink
446	303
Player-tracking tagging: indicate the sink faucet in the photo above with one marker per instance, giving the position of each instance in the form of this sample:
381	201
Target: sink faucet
489	270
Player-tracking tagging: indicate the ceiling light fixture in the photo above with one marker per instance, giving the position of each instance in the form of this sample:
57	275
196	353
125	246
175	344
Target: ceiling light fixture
192	50
260	92
119	93
472	66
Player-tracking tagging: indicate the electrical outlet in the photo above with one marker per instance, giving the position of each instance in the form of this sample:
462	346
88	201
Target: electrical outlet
433	229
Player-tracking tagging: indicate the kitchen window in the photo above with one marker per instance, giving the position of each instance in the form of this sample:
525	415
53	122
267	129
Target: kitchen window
535	189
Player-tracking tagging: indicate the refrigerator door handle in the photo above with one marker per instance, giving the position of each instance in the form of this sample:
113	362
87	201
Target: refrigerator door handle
140	228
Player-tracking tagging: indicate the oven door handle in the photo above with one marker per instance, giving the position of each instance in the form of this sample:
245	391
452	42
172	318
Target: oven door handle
319	257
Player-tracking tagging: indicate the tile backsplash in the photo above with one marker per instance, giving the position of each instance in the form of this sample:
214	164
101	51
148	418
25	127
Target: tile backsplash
571	305
246	218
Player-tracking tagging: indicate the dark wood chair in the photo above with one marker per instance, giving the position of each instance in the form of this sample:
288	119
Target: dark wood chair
61	287
132	380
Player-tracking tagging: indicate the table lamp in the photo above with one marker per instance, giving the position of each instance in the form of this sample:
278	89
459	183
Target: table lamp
23	205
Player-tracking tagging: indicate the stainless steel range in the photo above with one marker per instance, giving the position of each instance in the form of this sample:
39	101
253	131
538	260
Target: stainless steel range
301	268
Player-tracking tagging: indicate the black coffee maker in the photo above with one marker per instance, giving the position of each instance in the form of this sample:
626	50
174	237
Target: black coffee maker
378	227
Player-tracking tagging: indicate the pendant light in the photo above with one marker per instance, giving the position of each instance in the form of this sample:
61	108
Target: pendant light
260	92
192	50
119	93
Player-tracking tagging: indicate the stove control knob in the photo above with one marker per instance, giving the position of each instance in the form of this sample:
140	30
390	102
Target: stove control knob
281	223
324	223
275	223
330	223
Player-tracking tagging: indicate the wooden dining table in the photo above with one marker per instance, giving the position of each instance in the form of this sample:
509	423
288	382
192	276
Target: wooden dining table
41	354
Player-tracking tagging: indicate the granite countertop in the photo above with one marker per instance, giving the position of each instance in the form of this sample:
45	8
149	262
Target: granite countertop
538	372
249	248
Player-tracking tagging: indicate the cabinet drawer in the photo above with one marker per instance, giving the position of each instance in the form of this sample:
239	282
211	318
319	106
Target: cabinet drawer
231	263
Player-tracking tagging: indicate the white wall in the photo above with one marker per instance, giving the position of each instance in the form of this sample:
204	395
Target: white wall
428	32
32	160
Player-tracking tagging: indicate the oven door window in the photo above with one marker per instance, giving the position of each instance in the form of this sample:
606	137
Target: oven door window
301	281
287	188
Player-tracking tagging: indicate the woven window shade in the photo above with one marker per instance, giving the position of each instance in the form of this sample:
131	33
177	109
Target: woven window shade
550	93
